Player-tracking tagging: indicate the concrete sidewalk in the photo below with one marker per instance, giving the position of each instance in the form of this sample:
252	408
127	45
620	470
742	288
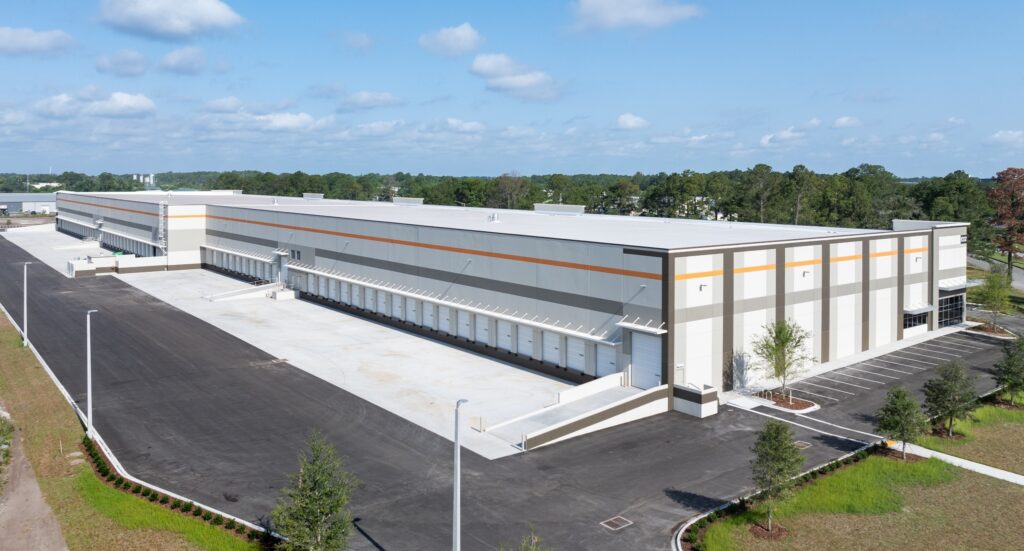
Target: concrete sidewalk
963	463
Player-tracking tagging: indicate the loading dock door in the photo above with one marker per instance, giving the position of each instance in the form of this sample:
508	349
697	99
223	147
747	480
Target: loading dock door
346	293
524	346
575	354
483	329
605	360
411	305
397	308
444	319
370	299
465	329
552	347
357	296
646	368
428	315
504	335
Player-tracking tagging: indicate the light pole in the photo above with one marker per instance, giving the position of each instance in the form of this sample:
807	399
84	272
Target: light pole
24	306
88	369
457	512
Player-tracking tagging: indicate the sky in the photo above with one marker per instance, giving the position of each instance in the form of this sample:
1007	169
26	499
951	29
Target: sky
533	86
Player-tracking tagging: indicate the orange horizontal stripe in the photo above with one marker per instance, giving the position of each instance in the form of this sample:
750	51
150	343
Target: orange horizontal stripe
186	216
883	253
695	275
748	269
845	258
917	250
109	207
446	248
798	263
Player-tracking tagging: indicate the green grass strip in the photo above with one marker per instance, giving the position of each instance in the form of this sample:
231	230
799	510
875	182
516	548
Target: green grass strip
134	513
985	416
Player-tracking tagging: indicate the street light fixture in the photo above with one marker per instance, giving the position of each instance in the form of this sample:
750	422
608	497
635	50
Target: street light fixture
88	369
24	306
457	513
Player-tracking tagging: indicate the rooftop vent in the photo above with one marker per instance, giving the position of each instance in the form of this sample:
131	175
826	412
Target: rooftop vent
547	208
493	217
407	200
312	196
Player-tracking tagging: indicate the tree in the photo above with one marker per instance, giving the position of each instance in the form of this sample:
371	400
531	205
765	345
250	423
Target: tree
1010	369
950	395
900	417
776	461
312	511
801	182
782	349
1008	201
994	294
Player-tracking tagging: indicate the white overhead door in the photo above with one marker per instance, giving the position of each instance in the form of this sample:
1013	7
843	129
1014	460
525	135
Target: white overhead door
370	299
411	305
444	319
428	315
311	286
575	354
465	328
398	307
324	282
646	355
384	302
332	289
346	293
357	295
504	335
524	340
483	329
605	360
552	347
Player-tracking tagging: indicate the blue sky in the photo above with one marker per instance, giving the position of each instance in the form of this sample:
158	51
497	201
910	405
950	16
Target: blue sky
481	88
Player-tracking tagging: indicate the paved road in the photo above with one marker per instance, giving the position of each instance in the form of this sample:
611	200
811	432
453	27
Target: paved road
191	408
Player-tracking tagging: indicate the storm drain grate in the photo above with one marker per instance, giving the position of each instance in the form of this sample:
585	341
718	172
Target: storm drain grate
616	523
801	445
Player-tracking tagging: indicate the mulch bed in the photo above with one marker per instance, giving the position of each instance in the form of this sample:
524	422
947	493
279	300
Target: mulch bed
785	401
895	453
989	330
761	532
943	433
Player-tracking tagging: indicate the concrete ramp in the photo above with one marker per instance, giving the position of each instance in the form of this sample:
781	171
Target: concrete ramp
602	409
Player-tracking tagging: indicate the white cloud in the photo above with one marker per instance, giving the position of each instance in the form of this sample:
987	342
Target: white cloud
460	125
60	106
357	41
452	41
788	135
848	142
174	19
377	128
30	41
123	63
611	14
629	121
1008	137
228	104
286	121
935	137
517	132
370	100
814	122
846	121
121	104
503	74
189	60
12	118
956	121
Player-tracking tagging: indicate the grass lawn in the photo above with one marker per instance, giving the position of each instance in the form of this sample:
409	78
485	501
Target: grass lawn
1016	295
91	514
994	437
881	503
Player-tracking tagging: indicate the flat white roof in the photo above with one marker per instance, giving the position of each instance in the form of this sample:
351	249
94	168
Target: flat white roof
630	231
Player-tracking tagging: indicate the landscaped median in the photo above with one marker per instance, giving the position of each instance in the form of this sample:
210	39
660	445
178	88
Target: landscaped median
91	512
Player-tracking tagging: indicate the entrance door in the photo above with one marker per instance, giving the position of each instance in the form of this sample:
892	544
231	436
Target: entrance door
646	367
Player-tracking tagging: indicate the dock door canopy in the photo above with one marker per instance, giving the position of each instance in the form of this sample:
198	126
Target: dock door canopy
646	365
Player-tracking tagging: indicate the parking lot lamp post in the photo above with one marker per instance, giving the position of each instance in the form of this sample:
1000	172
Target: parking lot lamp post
456	513
88	369
24	306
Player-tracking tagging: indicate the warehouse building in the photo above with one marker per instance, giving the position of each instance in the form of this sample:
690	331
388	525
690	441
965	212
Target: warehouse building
672	304
28	203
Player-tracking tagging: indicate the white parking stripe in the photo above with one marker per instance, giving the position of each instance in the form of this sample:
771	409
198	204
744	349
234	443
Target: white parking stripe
802	391
887	368
945	346
930	364
856	377
907	351
964	340
843	383
934	351
822	386
872	373
917	368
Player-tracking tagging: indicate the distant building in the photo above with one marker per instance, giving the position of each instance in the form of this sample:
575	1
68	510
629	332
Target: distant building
13	203
46	185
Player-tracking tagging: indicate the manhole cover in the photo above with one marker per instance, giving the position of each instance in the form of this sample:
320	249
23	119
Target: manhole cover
801	445
616	523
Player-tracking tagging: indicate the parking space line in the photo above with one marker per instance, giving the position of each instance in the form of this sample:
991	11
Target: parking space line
822	386
843	383
888	368
922	347
961	339
872	373
907	351
931	343
914	367
930	364
861	378
802	391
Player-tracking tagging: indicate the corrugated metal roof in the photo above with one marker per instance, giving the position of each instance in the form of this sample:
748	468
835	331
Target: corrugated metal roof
26	197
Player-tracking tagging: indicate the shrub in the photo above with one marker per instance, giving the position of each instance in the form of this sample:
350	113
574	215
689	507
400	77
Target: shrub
119	480
176	504
240	529
207	516
164	500
230	524
152	497
197	511
136	488
217	520
253	533
145	492
110	477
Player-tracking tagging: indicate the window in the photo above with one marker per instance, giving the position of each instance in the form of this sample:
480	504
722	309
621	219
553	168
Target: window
913	320
951	310
295	254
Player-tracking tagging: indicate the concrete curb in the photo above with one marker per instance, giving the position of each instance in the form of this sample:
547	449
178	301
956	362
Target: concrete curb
106	449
